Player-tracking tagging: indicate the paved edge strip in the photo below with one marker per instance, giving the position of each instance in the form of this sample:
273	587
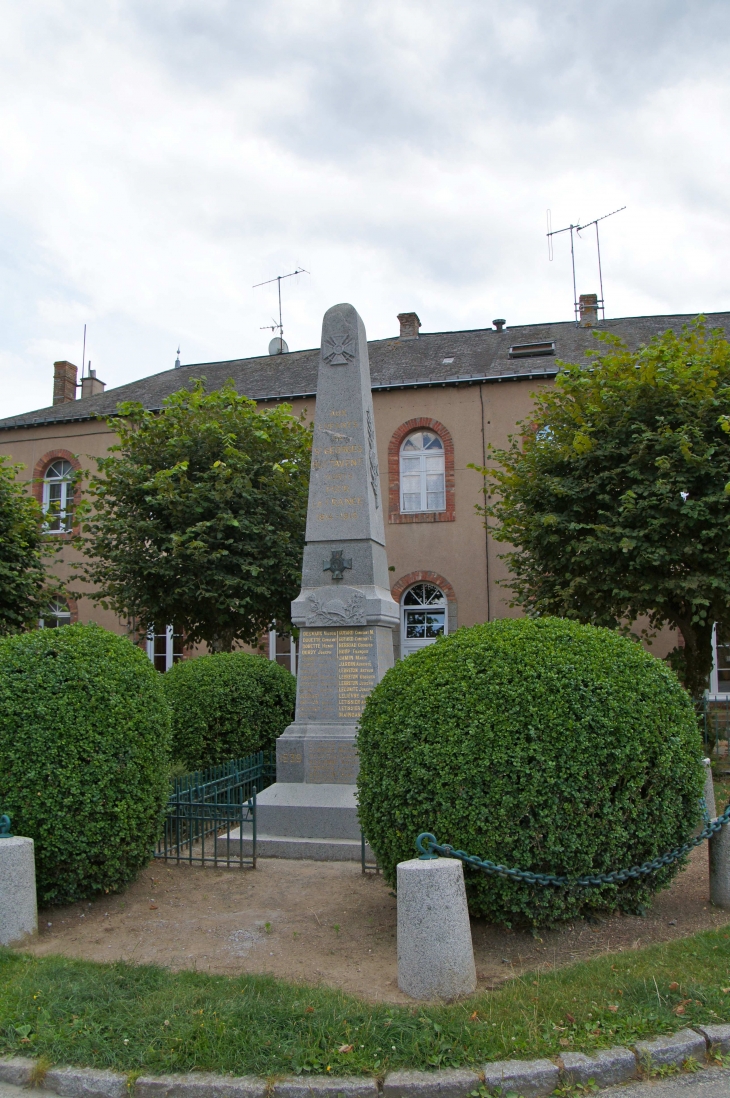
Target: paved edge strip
530	1078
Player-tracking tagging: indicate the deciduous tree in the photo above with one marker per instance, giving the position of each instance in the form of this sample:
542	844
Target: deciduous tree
615	494
24	590
197	516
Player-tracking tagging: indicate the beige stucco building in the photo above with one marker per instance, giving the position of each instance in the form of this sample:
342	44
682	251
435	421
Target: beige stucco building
440	399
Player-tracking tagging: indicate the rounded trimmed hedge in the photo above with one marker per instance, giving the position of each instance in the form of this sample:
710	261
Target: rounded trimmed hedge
84	756
226	706
541	744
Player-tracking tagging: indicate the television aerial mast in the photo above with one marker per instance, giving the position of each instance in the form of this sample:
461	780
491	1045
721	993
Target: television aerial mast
578	229
277	346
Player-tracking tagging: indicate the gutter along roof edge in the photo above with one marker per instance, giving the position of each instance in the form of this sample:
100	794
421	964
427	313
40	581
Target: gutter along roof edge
478	379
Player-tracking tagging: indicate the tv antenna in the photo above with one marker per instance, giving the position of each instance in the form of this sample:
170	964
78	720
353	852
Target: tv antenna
578	229
277	345
83	355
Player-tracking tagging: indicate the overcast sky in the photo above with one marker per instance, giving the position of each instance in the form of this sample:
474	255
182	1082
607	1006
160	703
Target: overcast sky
158	158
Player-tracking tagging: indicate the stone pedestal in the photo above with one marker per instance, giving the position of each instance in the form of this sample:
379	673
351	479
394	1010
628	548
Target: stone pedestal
338	667
18	909
435	952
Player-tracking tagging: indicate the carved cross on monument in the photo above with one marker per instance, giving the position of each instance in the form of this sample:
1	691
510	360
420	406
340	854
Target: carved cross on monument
337	564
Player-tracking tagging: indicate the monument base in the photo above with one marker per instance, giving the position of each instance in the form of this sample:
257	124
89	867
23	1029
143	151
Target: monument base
302	811
296	820
317	754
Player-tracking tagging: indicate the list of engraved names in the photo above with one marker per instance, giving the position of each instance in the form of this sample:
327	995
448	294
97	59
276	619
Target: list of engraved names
336	673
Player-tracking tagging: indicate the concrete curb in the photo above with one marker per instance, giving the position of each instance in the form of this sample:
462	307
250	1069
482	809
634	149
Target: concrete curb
529	1078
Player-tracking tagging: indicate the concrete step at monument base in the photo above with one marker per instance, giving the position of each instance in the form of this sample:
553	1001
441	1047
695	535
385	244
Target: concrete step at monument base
308	810
286	846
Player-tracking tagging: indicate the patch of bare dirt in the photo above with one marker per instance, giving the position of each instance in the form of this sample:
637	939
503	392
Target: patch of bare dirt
324	922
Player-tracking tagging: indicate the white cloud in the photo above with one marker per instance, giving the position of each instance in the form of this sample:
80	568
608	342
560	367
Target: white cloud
160	159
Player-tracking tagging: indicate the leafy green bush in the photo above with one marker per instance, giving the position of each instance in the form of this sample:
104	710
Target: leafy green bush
226	706
84	755
541	744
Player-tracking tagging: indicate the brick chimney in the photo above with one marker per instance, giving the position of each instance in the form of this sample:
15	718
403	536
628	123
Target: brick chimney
588	309
64	382
91	385
409	325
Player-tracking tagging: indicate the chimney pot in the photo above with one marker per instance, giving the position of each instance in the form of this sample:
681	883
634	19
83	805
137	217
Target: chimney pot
588	310
64	382
91	385
499	324
409	325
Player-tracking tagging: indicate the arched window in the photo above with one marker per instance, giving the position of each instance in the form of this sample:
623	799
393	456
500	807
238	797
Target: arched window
423	617
58	497
56	613
422	481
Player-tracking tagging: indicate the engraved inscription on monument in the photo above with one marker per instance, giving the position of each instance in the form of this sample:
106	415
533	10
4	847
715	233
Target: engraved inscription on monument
356	671
337	671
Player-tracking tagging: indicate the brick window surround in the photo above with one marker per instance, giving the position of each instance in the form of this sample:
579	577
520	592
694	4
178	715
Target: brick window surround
423	576
394	511
405	582
39	472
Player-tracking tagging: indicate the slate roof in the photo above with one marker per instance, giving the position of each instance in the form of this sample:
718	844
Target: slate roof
481	354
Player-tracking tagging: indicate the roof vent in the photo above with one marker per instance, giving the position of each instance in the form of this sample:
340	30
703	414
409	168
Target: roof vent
499	324
409	325
531	350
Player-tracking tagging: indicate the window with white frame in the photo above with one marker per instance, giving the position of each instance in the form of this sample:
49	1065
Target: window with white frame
283	650
58	497
164	647
424	617
56	613
422	479
720	676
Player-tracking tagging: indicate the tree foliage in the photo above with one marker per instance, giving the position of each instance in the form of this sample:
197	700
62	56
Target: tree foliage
24	589
227	706
616	492
197	516
84	756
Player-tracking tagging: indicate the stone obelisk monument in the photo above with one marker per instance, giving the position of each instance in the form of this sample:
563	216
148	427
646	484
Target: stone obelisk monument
344	611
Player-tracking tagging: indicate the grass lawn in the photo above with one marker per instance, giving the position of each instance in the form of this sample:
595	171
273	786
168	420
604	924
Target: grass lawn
145	1019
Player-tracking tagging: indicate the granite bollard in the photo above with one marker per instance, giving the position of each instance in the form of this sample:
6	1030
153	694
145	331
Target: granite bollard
719	848
435	952
709	789
720	868
18	908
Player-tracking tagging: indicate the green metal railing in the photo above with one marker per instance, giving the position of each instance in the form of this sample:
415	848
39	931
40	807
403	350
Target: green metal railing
210	818
229	783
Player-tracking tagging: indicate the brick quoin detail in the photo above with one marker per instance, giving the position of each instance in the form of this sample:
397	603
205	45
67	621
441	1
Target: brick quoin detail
394	511
405	582
39	471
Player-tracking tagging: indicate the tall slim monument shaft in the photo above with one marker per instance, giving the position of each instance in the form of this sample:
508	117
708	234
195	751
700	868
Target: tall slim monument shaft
344	611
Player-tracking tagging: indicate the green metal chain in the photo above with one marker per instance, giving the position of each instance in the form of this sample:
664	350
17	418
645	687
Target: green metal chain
428	846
